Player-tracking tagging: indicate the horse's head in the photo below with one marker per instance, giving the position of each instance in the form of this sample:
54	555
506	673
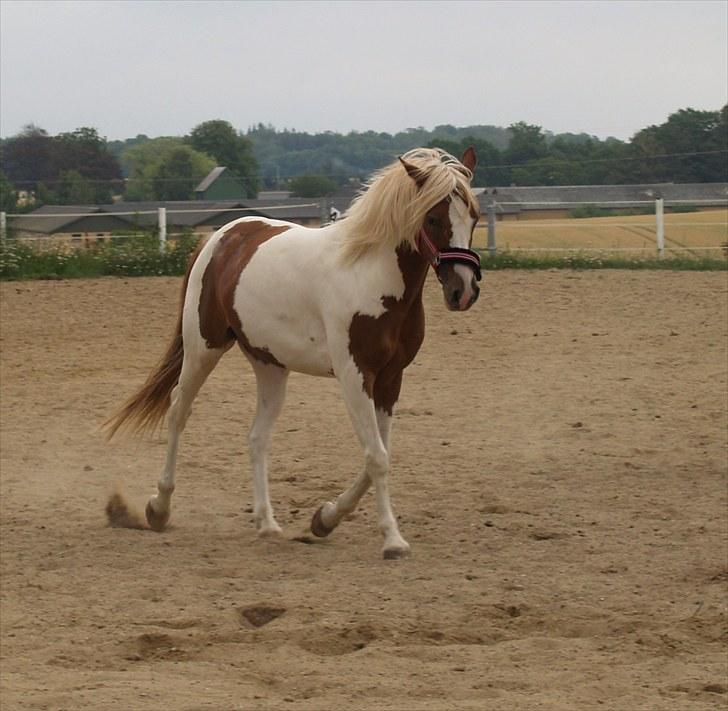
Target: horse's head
446	234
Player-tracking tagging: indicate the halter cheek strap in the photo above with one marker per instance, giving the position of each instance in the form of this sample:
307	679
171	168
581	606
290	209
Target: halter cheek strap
436	257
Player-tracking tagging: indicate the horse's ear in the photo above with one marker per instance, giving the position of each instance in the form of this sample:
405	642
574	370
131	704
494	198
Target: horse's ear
414	172
469	159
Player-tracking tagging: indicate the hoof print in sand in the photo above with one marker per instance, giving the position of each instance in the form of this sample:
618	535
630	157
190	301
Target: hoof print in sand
259	615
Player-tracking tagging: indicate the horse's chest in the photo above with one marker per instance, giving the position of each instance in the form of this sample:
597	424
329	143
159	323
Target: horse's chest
390	340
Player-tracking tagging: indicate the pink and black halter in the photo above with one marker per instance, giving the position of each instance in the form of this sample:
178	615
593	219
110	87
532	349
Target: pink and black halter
437	257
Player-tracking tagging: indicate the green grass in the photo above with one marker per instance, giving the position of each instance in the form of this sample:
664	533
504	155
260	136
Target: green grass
576	260
140	256
136	256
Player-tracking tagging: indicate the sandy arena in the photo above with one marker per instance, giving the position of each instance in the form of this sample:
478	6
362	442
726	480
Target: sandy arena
559	468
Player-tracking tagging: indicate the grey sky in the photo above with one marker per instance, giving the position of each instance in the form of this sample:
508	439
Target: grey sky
160	68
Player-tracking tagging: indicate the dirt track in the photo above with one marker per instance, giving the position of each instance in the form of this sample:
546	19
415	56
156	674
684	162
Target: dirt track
559	468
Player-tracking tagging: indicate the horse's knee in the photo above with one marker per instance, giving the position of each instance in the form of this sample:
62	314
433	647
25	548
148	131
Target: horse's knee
377	463
256	442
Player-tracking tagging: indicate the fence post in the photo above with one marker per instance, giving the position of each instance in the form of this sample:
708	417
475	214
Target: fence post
324	212
491	229
3	226
162	220
660	223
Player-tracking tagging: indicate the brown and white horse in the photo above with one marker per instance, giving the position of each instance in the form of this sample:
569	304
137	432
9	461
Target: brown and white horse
343	301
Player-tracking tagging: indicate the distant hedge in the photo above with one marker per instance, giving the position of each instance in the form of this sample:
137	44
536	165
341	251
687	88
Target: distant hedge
138	255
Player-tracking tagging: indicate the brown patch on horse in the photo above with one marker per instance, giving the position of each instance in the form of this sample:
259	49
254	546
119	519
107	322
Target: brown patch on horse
438	225
383	346
219	322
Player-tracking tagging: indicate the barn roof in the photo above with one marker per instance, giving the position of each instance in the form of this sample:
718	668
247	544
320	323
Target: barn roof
210	178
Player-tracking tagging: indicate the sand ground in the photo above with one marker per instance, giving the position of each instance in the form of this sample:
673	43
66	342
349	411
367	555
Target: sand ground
559	468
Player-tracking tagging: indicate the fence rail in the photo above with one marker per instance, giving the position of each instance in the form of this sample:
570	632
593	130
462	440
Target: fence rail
655	226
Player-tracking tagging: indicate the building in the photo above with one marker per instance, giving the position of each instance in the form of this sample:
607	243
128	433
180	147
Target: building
540	202
91	223
87	224
220	184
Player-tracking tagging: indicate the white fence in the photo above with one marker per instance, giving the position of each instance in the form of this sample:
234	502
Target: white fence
658	225
160	212
490	213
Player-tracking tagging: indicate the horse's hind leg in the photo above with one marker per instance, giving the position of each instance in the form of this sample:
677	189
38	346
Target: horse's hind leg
196	366
271	380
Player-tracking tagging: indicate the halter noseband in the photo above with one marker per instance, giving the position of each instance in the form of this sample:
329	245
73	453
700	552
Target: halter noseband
436	257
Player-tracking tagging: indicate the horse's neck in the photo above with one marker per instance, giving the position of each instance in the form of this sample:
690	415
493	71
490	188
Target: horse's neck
414	272
408	266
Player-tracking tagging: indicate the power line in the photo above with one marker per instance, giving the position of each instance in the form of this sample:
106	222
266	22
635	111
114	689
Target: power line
624	159
535	163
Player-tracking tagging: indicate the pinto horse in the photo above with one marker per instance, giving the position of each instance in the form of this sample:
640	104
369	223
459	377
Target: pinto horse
343	301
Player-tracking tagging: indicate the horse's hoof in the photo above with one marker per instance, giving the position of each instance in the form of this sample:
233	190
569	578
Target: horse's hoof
157	522
395	553
318	527
270	531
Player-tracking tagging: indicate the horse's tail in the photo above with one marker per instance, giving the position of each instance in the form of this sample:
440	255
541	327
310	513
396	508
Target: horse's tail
147	407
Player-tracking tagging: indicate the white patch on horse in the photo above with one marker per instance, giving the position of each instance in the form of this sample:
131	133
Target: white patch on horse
306	322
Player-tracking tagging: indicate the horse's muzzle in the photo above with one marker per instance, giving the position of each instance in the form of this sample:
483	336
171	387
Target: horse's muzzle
462	299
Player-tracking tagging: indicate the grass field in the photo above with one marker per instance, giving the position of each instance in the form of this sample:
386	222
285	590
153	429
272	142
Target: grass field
685	233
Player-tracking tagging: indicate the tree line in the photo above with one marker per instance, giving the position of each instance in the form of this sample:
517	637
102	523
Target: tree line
81	167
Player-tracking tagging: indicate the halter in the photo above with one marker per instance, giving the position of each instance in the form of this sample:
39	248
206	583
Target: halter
436	257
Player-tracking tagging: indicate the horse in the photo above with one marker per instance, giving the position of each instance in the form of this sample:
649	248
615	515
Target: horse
343	300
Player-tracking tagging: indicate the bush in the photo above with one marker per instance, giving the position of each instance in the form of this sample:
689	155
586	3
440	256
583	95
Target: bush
138	255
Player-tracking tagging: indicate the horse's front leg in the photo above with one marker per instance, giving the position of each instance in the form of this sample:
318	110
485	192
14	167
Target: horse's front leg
372	424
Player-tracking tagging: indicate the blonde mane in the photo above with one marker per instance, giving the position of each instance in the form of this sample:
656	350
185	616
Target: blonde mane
392	208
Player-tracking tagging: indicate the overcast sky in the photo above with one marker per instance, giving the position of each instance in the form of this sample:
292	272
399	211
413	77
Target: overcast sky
161	68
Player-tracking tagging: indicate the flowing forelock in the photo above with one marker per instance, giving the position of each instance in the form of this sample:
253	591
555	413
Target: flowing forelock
392	207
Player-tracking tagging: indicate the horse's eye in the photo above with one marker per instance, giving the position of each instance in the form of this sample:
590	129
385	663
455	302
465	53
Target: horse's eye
432	221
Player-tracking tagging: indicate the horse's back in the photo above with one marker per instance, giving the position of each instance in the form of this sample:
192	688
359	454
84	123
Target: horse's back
282	291
250	284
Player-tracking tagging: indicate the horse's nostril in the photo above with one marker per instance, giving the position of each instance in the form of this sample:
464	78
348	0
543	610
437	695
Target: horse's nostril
455	298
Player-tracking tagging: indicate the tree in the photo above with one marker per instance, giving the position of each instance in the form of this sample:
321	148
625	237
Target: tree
686	131
85	153
8	195
154	164
73	189
28	158
312	186
219	140
527	142
33	158
174	177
